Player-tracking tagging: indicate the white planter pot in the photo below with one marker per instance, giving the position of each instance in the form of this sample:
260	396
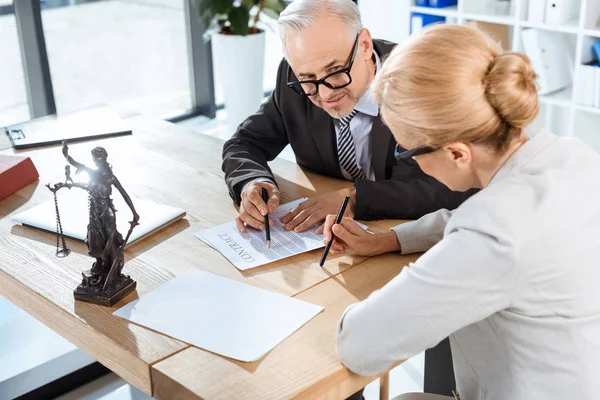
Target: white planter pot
239	62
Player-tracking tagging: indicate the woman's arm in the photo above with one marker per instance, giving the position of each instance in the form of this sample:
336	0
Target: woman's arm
465	278
421	235
351	236
410	237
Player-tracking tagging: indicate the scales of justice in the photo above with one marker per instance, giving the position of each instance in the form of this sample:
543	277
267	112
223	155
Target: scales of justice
104	283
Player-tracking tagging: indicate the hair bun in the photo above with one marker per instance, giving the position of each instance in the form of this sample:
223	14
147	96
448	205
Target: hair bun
511	88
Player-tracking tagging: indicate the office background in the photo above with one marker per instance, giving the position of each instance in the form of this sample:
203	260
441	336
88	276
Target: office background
149	56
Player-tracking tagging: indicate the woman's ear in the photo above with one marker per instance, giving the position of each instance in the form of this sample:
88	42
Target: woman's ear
459	153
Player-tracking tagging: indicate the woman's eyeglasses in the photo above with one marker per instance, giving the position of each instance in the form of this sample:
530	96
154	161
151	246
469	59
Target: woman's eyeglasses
417	151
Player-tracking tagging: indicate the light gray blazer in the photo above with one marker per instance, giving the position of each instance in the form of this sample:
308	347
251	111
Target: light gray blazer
512	275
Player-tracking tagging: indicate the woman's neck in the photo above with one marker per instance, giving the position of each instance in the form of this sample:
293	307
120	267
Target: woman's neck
490	167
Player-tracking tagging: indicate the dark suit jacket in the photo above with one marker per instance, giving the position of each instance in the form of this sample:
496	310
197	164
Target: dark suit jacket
401	189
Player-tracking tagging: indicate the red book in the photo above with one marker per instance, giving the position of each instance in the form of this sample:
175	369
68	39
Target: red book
16	172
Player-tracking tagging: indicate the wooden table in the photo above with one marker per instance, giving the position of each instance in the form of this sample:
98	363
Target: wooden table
174	166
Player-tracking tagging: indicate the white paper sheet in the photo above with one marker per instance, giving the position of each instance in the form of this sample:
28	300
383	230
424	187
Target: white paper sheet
220	315
249	249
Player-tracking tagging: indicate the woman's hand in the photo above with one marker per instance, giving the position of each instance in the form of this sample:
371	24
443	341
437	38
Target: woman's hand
350	236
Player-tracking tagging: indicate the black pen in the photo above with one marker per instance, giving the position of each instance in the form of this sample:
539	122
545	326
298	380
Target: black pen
338	219
265	197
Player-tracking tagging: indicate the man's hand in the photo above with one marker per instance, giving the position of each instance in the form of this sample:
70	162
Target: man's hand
350	236
315	210
253	209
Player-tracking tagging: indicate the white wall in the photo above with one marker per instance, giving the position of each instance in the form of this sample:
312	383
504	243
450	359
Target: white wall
386	19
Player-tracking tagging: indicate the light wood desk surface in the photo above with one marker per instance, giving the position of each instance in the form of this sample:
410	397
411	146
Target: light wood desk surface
304	366
174	166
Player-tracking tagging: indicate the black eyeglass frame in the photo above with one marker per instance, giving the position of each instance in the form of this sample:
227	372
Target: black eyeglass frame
292	85
417	151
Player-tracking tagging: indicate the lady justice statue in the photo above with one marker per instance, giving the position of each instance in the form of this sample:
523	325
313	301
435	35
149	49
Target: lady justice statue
104	283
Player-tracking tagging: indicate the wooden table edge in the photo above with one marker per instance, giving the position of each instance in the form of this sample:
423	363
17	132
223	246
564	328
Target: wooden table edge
62	322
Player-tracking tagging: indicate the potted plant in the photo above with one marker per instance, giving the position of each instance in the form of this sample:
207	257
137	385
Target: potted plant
238	46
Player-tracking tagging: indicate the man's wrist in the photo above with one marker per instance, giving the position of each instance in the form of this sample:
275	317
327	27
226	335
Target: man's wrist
351	192
265	180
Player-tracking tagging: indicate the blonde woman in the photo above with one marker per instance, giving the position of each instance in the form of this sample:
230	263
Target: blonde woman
513	274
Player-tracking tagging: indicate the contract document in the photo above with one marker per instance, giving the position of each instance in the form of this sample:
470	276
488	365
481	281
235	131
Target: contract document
249	249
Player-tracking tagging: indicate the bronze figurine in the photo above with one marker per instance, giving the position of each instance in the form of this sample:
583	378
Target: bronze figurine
104	283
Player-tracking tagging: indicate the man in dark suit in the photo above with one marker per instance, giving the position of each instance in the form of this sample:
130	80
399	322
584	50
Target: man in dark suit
322	107
361	150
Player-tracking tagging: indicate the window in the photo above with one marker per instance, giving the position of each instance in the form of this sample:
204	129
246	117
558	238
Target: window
129	54
14	107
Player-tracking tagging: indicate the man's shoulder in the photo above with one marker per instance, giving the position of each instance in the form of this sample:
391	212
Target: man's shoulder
383	47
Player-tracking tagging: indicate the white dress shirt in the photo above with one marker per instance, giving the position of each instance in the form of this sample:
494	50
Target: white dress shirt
512	275
360	127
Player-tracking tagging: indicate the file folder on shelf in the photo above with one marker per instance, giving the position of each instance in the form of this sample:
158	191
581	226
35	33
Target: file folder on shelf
536	11
560	11
587	85
418	21
597	86
442	3
549	54
590	84
422	3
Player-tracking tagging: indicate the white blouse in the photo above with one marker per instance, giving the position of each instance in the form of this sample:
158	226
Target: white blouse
512	276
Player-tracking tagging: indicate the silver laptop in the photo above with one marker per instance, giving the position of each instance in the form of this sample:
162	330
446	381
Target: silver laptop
73	208
90	123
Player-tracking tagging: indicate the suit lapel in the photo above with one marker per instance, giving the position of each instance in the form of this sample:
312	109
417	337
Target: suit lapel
323	132
382	148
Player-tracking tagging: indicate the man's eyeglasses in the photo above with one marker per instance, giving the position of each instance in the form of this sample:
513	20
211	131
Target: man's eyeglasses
417	151
336	80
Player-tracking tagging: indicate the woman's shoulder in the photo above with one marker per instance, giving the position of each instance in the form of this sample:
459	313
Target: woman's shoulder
501	210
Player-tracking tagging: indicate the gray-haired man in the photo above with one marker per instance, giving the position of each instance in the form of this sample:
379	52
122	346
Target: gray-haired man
322	107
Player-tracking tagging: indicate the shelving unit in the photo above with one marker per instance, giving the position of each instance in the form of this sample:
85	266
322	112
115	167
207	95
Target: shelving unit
451	11
559	112
569	27
592	32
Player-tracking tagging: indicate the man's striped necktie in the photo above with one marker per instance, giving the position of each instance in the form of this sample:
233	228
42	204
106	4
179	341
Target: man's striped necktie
345	148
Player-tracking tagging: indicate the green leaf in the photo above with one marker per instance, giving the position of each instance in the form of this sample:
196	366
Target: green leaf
239	18
249	3
221	6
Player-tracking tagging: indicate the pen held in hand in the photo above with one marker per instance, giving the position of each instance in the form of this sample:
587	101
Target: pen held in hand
338	219
265	197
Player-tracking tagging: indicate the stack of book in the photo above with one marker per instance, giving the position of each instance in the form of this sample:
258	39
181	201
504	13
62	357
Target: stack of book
16	172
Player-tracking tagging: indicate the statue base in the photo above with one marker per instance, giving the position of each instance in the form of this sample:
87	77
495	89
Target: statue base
93	292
